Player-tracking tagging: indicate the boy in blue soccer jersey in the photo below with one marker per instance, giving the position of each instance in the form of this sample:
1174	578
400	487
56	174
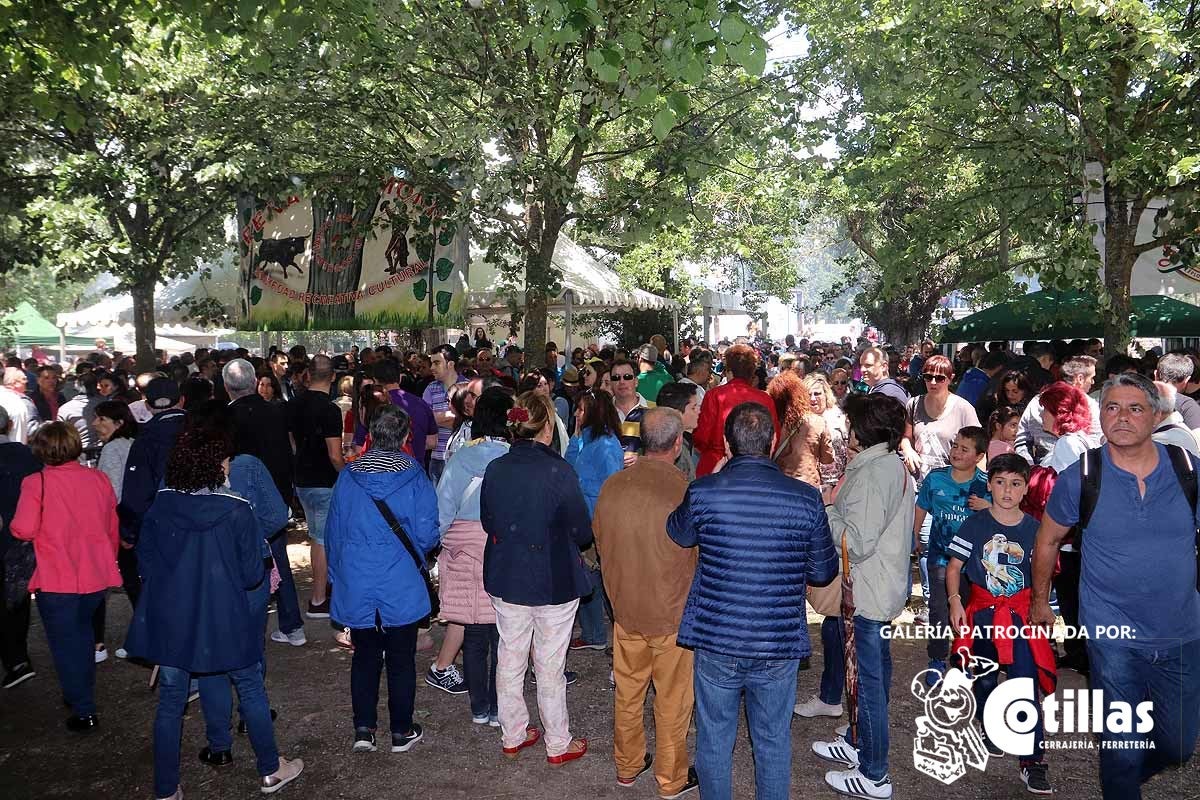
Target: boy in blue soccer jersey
950	494
994	549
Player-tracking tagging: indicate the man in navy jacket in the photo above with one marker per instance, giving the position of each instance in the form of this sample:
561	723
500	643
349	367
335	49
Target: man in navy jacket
745	615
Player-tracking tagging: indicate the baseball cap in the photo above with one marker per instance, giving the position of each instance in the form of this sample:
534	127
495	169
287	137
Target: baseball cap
162	393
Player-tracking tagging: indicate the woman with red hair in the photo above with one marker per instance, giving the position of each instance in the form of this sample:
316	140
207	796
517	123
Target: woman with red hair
805	443
1065	414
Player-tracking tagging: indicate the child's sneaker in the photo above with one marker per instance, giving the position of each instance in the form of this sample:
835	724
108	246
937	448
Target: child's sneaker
932	678
1035	779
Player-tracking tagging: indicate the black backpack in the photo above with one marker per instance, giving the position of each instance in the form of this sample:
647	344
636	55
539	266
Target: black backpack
1089	490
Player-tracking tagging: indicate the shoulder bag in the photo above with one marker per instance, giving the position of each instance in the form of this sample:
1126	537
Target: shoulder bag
402	535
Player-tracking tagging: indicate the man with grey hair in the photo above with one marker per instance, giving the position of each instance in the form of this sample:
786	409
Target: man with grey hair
647	577
1137	534
1033	441
1176	369
13	400
260	430
1170	429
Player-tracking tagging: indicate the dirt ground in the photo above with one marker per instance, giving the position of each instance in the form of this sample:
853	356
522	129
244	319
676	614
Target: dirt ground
310	688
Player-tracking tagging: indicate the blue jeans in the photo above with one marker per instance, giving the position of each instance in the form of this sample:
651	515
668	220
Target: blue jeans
67	619
1023	666
770	688
315	502
1170	677
923	561
287	603
436	467
833	675
874	657
215	698
168	722
591	611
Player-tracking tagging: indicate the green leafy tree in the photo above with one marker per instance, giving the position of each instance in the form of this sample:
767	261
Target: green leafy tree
135	167
1029	94
537	115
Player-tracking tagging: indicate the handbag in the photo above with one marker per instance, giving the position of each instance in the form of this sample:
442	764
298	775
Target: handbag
19	564
402	535
827	600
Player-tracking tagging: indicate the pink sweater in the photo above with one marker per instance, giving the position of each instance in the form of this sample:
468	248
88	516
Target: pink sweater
73	529
460	575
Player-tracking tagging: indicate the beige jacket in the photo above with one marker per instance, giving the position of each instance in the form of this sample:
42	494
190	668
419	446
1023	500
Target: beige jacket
874	508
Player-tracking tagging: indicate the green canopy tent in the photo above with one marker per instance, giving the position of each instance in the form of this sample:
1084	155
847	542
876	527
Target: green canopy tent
24	327
1071	315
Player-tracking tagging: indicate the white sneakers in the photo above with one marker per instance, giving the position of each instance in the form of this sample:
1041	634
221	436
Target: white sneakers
839	751
102	655
853	783
296	638
813	707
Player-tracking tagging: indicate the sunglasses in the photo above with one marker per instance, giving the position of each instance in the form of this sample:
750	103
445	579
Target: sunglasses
625	377
841	383
587	373
929	377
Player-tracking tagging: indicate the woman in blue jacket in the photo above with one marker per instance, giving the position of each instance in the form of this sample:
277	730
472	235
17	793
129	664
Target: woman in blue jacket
536	520
381	593
200	552
595	453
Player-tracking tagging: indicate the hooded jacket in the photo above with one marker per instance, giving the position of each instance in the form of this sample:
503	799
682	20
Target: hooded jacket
198	553
145	467
372	570
874	509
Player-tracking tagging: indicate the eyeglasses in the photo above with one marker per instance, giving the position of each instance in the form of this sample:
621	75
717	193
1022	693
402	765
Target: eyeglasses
624	377
929	377
841	383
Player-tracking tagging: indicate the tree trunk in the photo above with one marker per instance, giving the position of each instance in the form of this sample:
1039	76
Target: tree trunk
336	265
142	293
544	225
1120	232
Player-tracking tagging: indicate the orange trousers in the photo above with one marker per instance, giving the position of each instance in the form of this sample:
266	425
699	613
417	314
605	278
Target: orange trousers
637	660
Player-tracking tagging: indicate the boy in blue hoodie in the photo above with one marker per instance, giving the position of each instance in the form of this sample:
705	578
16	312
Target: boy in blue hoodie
950	494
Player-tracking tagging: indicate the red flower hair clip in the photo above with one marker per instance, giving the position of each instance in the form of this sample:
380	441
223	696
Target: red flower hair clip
518	414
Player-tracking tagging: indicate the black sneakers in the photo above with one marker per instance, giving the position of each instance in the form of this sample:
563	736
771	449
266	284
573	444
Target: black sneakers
449	680
693	783
320	611
993	750
1035	779
364	741
18	675
216	758
83	724
403	742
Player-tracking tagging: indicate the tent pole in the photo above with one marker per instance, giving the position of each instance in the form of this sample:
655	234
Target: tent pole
707	323
62	346
569	302
675	328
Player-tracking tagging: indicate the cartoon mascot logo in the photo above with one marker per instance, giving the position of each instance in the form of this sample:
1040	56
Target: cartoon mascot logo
948	739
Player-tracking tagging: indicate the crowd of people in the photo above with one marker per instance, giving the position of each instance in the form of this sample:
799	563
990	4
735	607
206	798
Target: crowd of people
674	510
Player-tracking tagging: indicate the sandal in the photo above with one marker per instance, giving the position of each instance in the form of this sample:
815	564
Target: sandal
532	737
576	749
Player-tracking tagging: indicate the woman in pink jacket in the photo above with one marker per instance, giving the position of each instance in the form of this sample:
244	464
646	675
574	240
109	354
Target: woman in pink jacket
460	565
69	512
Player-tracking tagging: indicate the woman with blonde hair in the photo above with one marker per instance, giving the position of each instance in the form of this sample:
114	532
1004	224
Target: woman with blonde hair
804	443
536	519
824	402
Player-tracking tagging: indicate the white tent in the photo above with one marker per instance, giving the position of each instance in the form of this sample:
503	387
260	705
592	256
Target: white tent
118	309
587	285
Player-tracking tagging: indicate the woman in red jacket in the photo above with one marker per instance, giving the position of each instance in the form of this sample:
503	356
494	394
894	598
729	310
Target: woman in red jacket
69	512
741	361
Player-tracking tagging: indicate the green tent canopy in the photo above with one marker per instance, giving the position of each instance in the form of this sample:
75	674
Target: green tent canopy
1071	315
25	327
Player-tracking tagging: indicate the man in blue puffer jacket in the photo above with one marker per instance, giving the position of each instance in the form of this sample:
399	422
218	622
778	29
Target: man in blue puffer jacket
763	537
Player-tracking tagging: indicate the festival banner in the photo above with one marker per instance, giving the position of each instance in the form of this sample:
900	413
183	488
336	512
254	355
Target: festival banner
320	263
